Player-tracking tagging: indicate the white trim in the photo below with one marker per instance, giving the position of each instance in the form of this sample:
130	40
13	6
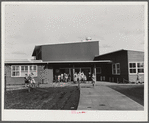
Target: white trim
136	68
78	61
20	71
116	69
46	62
15	71
82	41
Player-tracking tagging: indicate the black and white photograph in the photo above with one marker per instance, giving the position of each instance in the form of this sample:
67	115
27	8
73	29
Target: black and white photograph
74	61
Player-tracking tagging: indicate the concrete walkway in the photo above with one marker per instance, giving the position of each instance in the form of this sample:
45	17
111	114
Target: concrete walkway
101	97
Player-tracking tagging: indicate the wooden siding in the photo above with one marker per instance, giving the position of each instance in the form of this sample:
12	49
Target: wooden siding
116	57
105	73
43	75
135	56
133	78
70	52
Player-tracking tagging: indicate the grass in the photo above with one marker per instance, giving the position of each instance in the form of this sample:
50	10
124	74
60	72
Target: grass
58	98
135	92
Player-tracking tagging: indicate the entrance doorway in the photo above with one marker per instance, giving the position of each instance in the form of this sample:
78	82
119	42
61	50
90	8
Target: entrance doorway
71	71
85	70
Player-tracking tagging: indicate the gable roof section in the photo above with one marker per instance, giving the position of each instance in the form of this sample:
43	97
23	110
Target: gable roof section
37	47
116	52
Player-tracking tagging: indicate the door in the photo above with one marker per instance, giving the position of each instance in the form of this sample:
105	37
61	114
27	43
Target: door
77	70
86	71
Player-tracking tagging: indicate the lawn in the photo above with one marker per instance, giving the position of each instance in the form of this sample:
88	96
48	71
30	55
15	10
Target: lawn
52	98
135	92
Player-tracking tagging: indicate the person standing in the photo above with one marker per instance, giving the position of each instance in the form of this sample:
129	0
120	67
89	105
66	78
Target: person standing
62	78
138	79
82	76
79	79
93	79
59	77
75	77
89	76
66	77
32	81
26	80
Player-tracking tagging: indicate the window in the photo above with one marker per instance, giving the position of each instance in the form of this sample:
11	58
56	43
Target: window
15	71
132	67
33	69
98	70
140	67
24	70
20	71
136	67
116	68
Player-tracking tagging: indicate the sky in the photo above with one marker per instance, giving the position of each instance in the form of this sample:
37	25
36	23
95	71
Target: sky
114	26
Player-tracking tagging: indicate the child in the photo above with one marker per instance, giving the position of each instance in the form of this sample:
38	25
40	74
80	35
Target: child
75	77
89	76
62	79
32	81
59	77
138	79
66	78
93	79
84	78
26	80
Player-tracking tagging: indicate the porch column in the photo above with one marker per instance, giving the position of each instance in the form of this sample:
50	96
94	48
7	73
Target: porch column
73	72
95	71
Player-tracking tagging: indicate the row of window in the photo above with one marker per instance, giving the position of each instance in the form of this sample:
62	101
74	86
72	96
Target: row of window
134	68
20	71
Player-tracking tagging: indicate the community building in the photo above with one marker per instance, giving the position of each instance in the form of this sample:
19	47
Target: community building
52	60
125	67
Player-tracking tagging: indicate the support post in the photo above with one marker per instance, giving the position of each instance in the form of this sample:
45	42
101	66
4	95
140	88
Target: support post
95	71
5	82
73	72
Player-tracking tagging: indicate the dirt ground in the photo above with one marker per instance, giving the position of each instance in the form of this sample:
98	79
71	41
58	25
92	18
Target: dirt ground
52	98
135	92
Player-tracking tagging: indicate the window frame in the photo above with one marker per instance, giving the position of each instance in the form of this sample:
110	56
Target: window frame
136	67
98	72
15	70
116	69
21	71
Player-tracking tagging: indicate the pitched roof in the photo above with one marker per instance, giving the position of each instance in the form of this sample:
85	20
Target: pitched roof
117	51
39	46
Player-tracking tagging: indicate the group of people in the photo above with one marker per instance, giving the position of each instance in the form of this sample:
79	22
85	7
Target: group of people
62	77
81	77
29	80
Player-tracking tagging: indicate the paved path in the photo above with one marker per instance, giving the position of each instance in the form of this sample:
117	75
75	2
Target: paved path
102	97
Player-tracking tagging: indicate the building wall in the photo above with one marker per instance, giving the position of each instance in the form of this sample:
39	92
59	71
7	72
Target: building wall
44	75
105	74
135	56
12	80
116	57
81	51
